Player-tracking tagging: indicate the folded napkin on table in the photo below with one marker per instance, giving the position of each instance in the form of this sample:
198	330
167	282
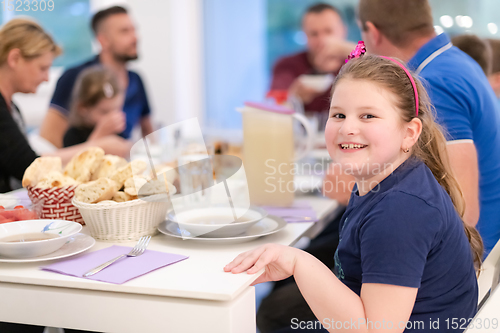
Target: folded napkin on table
119	272
300	211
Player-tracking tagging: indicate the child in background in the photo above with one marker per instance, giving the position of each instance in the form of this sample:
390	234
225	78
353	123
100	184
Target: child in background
494	76
477	48
405	259
96	108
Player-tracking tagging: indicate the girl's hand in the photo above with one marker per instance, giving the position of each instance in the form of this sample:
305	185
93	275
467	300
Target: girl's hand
332	55
278	261
112	123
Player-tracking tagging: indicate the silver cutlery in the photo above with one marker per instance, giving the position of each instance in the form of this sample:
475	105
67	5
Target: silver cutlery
138	249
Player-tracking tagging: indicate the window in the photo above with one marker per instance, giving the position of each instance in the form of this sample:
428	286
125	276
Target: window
66	20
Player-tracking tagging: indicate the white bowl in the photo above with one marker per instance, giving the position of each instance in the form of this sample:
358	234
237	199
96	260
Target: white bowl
61	228
216	221
319	83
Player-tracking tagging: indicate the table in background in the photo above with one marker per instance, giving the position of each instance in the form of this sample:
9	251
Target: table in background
194	295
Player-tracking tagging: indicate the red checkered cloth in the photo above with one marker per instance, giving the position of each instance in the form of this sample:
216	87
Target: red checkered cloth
56	203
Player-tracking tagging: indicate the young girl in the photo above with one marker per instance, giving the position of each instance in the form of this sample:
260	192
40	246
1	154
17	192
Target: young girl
96	109
405	261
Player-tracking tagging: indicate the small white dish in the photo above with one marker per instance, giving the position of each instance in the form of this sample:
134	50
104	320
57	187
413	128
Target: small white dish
319	82
75	245
60	230
9	201
216	221
267	226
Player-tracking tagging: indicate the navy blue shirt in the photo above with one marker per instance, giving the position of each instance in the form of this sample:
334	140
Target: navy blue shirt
136	103
468	108
406	232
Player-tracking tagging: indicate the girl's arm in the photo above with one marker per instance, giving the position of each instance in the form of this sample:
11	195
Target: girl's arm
332	301
336	306
464	163
112	144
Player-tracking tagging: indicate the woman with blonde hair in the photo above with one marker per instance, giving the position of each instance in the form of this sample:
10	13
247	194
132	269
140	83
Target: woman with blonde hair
26	55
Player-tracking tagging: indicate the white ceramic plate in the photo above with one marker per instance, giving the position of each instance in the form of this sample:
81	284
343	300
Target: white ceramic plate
267	226
60	230
76	244
218	220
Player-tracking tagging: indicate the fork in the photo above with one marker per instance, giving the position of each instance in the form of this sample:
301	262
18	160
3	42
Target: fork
138	249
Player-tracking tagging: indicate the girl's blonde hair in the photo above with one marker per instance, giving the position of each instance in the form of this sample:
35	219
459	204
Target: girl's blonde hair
27	36
92	85
431	145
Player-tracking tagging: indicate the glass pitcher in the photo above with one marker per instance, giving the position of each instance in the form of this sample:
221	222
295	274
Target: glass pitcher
269	152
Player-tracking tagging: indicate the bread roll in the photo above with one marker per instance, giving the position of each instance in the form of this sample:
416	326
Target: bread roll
83	165
121	196
122	174
95	191
40	167
56	179
167	172
132	185
156	186
109	164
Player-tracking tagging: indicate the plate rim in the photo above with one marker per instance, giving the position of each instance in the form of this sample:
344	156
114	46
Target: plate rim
281	225
48	257
264	214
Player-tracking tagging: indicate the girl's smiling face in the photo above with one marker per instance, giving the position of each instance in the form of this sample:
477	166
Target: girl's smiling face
365	133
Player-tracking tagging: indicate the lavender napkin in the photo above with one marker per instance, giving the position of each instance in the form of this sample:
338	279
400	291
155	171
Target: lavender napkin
121	271
300	211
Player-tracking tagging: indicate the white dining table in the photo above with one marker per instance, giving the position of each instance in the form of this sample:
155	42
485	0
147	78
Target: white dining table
194	295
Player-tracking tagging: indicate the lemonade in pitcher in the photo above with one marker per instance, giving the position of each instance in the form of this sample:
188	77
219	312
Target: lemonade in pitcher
269	153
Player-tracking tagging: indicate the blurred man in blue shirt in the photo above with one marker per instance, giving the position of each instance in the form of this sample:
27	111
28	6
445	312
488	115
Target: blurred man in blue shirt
115	31
465	103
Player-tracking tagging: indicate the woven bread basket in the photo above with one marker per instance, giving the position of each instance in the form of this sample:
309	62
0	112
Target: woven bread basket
56	203
123	221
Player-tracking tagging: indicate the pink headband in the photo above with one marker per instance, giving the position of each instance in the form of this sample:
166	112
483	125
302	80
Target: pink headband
360	50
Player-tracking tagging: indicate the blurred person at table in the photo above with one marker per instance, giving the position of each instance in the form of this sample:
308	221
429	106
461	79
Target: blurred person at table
115	32
486	52
494	76
96	107
26	55
322	24
477	48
